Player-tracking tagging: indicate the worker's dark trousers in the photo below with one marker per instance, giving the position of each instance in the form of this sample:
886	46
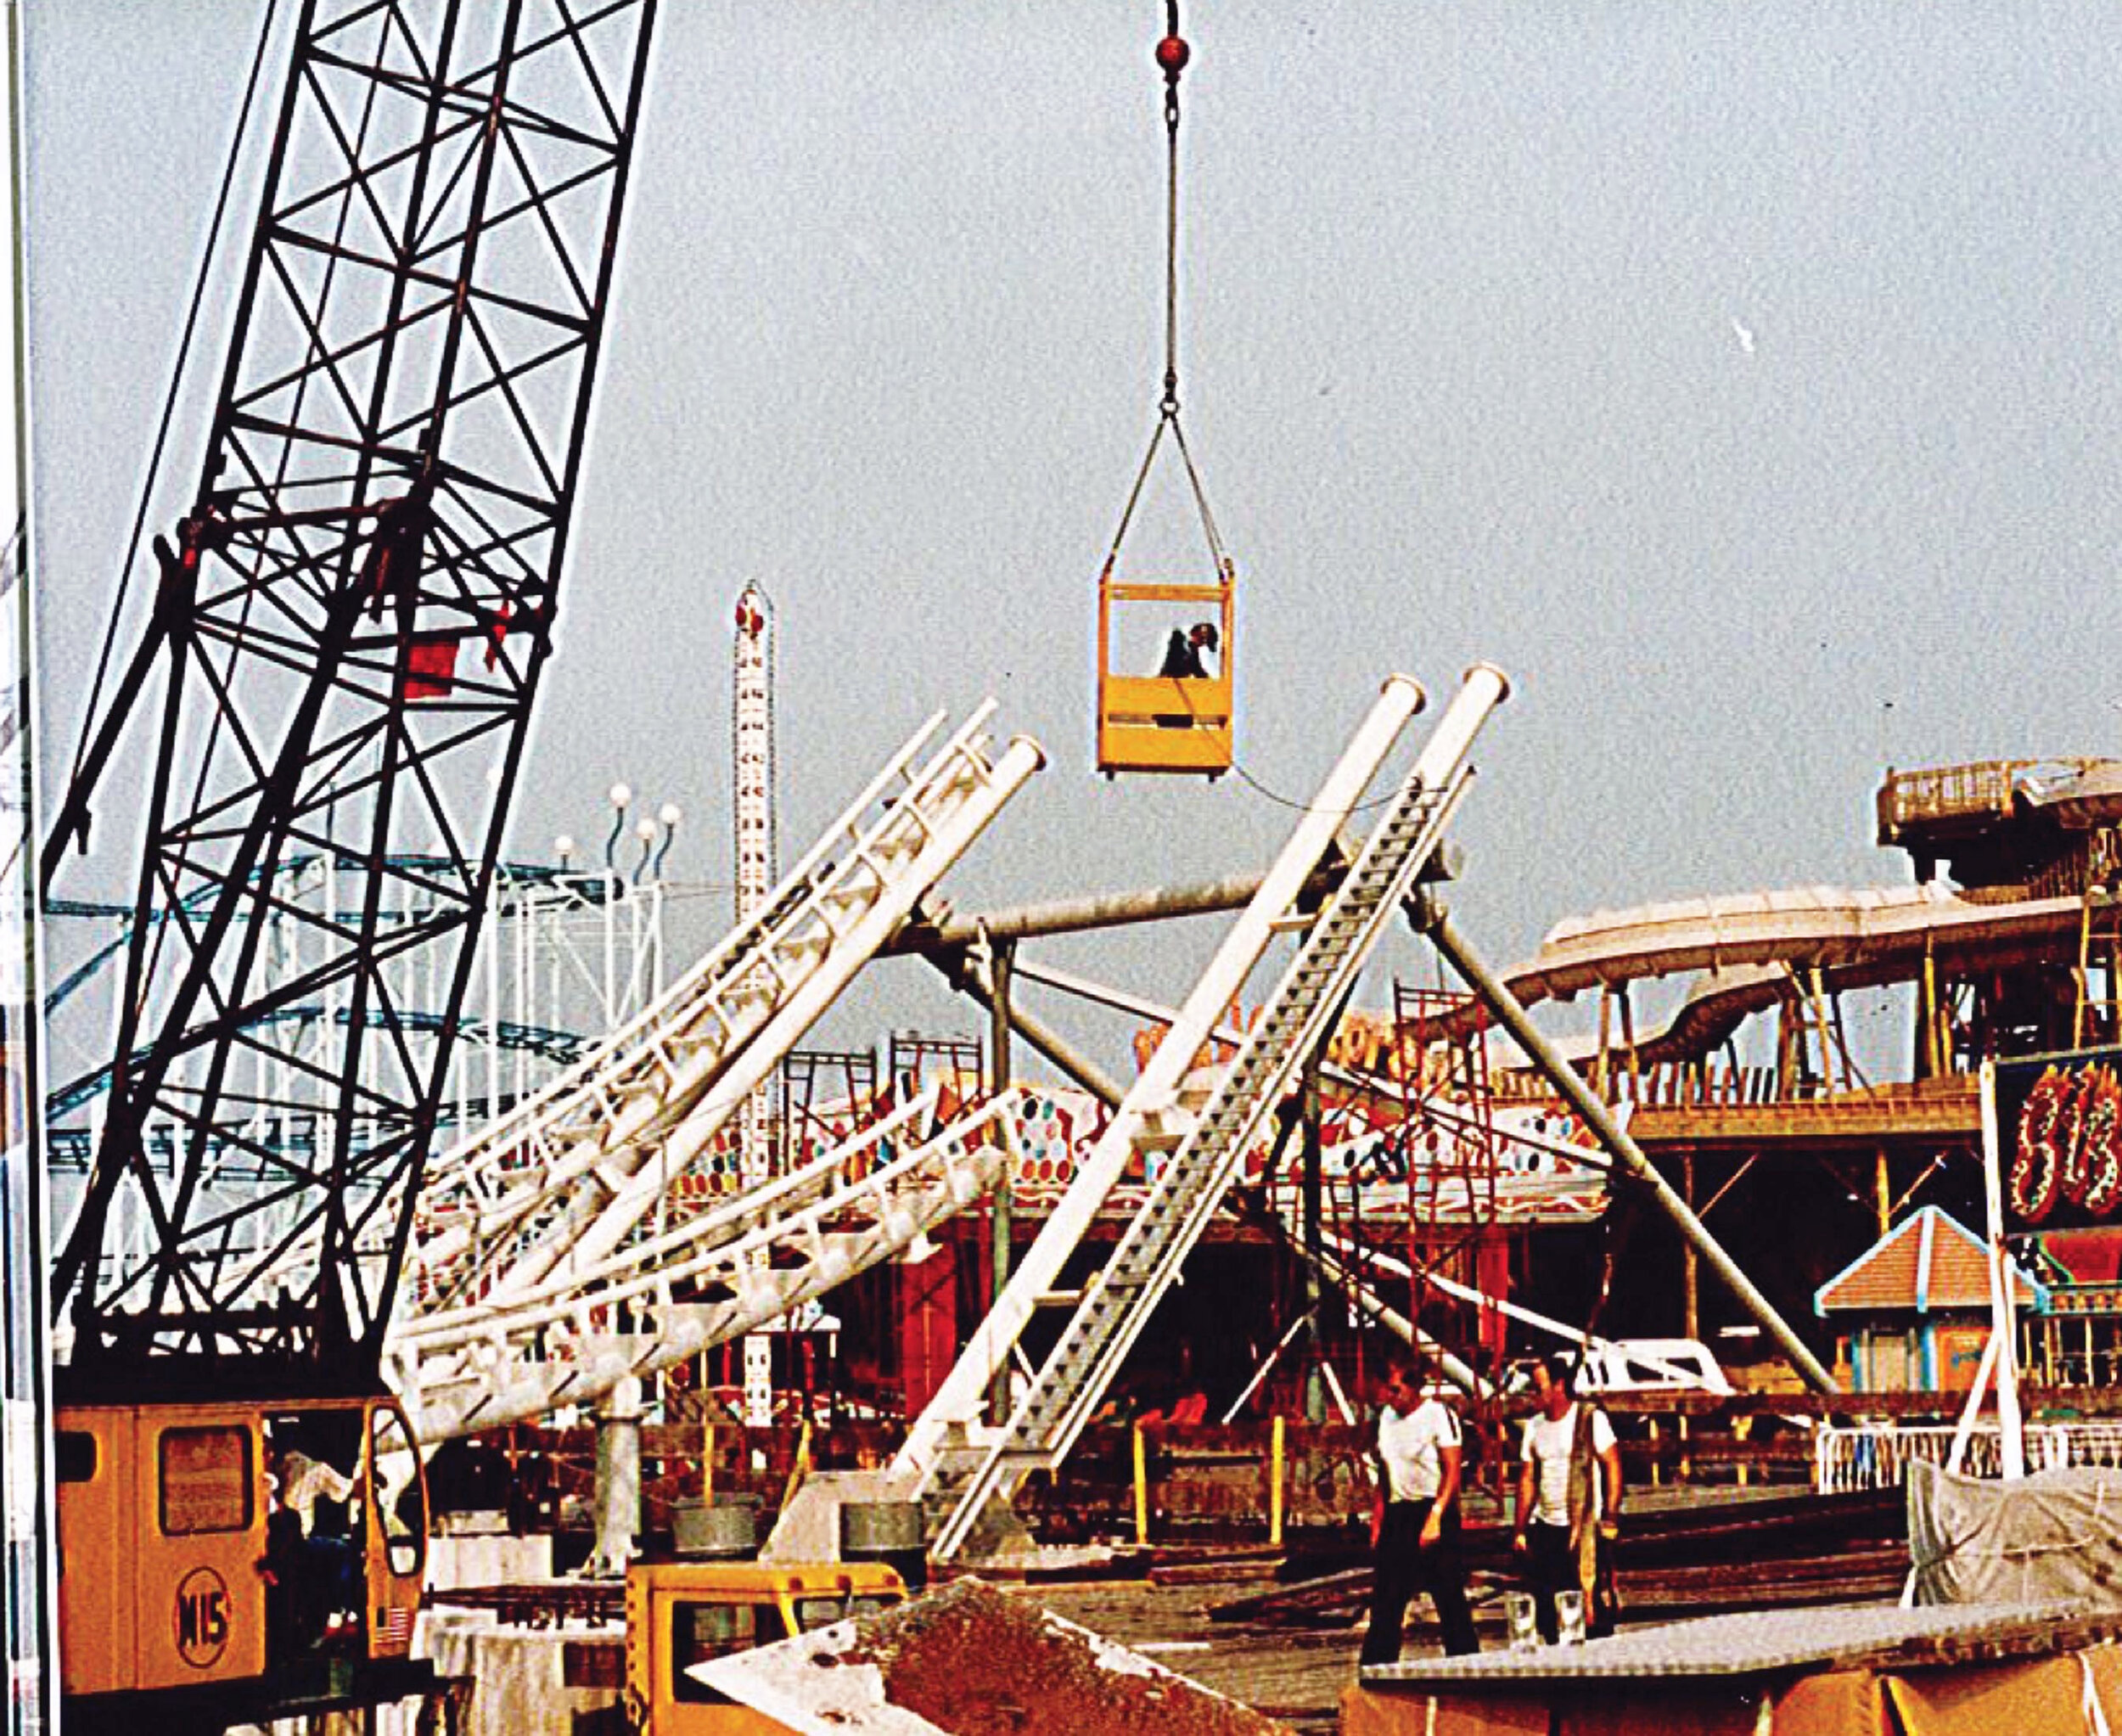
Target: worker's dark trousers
1402	1567
1551	1566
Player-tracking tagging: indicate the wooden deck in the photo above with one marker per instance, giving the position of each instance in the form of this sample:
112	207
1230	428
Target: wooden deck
1940	1112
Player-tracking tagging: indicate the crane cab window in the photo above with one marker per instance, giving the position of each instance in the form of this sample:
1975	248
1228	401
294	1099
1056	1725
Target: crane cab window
316	1530
401	1500
74	1455
315	1458
205	1480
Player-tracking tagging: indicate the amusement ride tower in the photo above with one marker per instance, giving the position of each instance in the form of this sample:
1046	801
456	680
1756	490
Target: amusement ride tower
751	744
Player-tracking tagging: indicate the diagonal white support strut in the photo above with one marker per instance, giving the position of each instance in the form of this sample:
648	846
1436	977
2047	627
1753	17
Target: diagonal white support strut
597	1153
1115	1308
960	1400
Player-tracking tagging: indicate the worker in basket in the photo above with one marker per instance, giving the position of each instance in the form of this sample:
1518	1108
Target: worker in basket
1186	658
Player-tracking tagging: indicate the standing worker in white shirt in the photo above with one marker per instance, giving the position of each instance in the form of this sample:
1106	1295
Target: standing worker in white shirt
1568	1499
1420	1456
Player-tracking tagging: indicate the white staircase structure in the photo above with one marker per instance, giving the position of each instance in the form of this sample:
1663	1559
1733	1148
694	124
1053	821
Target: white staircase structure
949	1457
547	1193
574	1335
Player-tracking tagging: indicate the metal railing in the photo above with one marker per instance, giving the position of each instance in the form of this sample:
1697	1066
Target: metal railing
1877	1455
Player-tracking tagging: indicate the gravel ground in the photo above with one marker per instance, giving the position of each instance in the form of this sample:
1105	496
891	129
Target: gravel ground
1295	1677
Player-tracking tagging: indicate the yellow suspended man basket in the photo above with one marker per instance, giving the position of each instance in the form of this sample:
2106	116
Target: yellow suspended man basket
1179	717
1165	723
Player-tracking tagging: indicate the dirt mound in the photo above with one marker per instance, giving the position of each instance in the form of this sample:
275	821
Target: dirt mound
976	1662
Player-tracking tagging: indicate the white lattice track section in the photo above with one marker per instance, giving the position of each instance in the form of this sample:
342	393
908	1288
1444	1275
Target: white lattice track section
737	1265
569	1176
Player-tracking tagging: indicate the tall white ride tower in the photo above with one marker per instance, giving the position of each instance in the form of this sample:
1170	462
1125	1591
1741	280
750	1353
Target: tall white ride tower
758	865
751	744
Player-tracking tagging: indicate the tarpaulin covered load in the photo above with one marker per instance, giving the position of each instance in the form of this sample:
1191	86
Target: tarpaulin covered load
2056	1535
2077	1695
1871	1670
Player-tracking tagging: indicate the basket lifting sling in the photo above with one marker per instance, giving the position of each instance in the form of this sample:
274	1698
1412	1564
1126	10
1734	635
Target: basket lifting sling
1178	721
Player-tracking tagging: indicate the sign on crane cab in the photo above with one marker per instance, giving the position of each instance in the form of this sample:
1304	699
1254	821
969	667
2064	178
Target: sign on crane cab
1149	722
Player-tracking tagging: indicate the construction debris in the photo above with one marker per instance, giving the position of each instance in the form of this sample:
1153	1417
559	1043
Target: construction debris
971	1661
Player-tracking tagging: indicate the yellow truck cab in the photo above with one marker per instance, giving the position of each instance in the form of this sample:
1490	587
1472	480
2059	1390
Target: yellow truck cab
683	1613
192	1594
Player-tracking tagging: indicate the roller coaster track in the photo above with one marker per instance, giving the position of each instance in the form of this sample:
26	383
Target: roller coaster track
1748	946
549	1236
662	1298
564	1179
966	1474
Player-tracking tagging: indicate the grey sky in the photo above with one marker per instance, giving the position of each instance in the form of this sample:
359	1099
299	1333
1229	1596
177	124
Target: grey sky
1724	373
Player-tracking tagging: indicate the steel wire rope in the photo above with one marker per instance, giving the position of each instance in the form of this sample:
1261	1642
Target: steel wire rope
1172	55
176	378
158	452
1293	803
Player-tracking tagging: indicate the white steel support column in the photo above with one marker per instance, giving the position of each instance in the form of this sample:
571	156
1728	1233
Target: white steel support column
29	1541
493	949
2003	1281
617	1493
525	987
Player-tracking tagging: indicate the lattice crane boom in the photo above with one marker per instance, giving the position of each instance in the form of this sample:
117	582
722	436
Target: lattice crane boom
350	624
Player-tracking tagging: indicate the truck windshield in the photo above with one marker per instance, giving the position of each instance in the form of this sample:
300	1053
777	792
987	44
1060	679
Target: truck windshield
813	1613
699	1632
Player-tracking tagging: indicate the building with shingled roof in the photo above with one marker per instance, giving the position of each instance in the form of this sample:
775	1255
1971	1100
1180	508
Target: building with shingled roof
1912	1312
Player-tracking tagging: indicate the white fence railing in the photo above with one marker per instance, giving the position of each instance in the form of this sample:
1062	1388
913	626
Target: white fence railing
1875	1455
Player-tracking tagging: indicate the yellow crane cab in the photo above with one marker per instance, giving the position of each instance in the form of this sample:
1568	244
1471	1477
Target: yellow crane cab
683	1613
1151	722
235	1560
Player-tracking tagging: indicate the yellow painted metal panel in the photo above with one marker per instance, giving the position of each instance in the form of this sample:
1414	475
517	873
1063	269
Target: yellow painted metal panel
1163	591
96	1615
1143	747
199	1597
1203	699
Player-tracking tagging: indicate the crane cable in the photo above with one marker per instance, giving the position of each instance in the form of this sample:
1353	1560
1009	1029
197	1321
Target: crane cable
229	170
1172	55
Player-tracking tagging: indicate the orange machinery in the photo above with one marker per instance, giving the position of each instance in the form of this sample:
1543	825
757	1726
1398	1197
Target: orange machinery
191	1594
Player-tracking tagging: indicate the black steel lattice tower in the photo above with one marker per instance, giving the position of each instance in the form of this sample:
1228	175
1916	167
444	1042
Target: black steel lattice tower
348	633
